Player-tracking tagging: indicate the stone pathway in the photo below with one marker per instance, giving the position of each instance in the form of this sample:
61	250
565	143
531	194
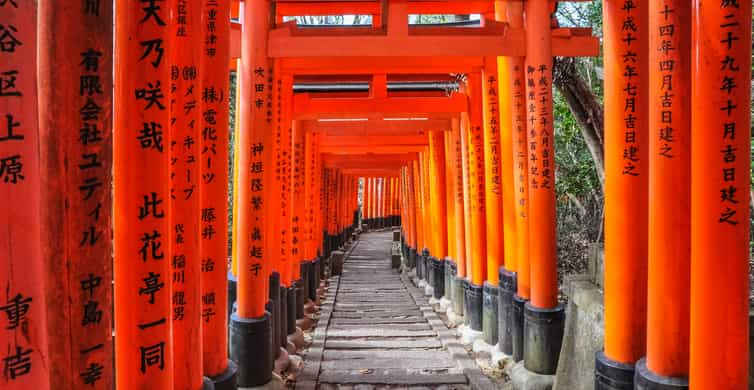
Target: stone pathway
377	331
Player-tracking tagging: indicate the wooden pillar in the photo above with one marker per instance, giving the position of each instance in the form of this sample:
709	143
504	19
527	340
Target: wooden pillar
250	326
464	140
477	241
450	201
668	274
215	59
455	159
520	156
75	139
184	204
298	199
543	251
437	190
493	186
23	322
626	153
419	203
310	250
426	201
141	198
720	188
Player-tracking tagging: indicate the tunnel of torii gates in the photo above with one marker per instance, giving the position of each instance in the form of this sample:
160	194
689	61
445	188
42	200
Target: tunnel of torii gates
448	130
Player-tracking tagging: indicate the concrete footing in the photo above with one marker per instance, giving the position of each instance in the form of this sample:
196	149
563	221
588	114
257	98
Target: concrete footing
524	379
468	335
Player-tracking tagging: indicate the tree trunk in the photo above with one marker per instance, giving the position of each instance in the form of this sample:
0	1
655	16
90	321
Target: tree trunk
585	107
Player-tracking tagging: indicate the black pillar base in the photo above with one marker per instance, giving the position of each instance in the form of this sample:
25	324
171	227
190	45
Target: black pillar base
644	379
276	311
458	291
438	287
300	298
292	311
283	325
448	278
612	375
312	285
269	307
507	289
250	348
232	292
228	380
473	306
517	333
207	384
490	313
543	336
464	287
411	258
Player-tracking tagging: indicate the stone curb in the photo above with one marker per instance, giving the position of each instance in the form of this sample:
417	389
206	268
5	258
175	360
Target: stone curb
313	358
477	379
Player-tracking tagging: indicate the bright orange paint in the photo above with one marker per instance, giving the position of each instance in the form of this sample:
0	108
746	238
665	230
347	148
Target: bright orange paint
450	202
437	188
626	153
493	186
543	251
140	203
255	147
215	136
720	230
669	245
185	230
520	153
477	211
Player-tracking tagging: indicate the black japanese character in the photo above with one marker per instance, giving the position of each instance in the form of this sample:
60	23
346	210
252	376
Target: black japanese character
92	374
150	11
17	364
16	309
152	285
150	207
8	41
151	246
90	60
150	136
11	169
92	313
153	355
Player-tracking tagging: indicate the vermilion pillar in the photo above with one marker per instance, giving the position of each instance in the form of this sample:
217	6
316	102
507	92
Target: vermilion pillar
720	188
520	156
141	197
298	215
367	199
626	152
23	332
464	137
493	199
450	200
214	125
438	215
250	326
544	319
419	207
477	240
493	189
455	158
520	282
669	220
184	204
75	95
